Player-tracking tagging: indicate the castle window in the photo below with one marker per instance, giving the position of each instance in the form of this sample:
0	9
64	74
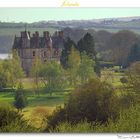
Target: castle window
33	53
44	54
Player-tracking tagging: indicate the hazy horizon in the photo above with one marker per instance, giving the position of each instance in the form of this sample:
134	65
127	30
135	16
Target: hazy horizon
30	15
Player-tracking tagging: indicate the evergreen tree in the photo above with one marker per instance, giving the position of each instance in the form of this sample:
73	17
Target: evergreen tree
87	45
20	98
66	51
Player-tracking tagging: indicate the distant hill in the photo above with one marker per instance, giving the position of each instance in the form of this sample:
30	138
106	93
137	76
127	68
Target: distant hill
99	28
127	22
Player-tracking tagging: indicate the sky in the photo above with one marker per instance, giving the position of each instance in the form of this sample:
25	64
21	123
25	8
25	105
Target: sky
44	14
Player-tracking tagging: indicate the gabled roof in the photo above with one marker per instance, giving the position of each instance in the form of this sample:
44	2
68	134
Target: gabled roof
56	41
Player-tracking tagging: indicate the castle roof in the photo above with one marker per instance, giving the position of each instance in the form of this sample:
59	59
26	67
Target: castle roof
36	41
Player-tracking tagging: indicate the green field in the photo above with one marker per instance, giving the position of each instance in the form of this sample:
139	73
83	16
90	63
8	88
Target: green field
35	100
57	98
43	102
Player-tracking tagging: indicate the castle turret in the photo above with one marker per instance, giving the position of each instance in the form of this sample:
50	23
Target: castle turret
25	39
60	34
46	34
48	40
37	39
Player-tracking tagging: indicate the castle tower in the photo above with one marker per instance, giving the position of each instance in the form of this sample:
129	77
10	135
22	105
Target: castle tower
48	45
45	48
58	44
25	39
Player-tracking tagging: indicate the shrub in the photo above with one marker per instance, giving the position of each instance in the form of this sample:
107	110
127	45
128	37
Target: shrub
12	121
81	127
93	101
20	98
128	122
128	99
133	77
123	80
39	116
59	115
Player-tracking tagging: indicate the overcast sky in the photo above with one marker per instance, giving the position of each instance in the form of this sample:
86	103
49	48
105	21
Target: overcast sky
39	14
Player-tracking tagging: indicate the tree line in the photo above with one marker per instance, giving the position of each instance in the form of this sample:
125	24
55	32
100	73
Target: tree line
111	47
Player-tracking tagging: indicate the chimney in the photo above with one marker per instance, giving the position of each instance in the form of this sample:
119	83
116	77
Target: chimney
60	34
23	34
33	35
56	33
37	34
46	34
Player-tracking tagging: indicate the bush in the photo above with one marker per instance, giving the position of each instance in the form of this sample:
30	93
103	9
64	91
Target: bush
128	122
39	116
59	115
81	127
12	121
133	77
20	98
128	99
93	101
123	80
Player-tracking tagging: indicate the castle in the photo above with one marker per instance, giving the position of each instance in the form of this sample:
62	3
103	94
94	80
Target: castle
44	47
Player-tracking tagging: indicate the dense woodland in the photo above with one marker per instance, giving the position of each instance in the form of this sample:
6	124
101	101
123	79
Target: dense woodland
95	88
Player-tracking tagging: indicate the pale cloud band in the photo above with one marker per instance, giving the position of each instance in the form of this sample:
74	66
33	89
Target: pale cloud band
39	14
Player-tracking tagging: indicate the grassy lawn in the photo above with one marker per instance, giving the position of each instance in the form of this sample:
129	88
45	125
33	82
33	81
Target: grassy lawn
47	100
42	103
42	100
57	98
37	104
114	78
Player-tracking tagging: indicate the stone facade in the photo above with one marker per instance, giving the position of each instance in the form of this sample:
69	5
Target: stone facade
45	47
